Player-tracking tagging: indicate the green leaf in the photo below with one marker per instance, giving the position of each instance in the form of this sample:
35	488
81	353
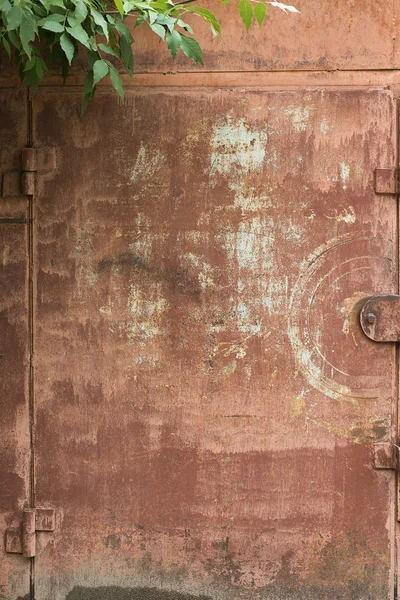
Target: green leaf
39	68
160	6
124	31
185	26
88	85
127	56
7	47
100	70
67	46
30	64
14	39
92	57
174	41
120	7
27	34
59	3
158	29
260	10
79	34
32	78
85	101
108	50
80	12
117	83
192	49
167	21
54	17
246	12
14	18
51	25
207	15
100	21
39	10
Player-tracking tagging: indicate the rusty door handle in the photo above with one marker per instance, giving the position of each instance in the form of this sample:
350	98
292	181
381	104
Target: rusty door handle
380	318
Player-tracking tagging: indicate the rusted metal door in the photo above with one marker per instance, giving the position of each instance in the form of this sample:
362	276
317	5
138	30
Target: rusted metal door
206	403
15	336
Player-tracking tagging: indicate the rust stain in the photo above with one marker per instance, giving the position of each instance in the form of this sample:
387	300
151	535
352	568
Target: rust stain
205	400
216	404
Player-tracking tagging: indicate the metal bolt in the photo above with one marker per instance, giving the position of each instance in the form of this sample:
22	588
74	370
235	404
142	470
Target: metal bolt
371	318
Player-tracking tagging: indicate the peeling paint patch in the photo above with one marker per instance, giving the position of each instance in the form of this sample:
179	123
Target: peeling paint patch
347	215
344	171
325	127
146	309
299	117
235	145
147	164
297	407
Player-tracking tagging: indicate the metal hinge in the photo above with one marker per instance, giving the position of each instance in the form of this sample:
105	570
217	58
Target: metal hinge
23	540
33	160
387	181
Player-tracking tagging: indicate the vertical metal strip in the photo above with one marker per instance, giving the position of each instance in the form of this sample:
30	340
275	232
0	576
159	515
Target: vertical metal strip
397	374
31	346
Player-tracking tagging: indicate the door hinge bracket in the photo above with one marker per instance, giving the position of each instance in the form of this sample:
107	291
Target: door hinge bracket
387	181
33	161
380	318
23	540
386	456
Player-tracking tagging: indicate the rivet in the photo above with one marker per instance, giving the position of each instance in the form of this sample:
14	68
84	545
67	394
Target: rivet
371	318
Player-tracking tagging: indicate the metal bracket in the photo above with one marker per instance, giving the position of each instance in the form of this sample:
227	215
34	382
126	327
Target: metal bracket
380	318
387	181
386	456
33	160
23	541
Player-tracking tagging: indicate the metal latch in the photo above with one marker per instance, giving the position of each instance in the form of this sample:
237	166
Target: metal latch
23	541
33	160
380	318
387	181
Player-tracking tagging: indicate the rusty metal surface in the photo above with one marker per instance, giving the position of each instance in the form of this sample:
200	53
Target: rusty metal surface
206	400
330	38
23	540
386	455
14	420
380	318
45	519
28	533
319	39
387	181
362	34
13	541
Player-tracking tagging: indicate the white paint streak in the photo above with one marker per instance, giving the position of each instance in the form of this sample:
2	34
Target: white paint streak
234	145
299	117
147	165
344	171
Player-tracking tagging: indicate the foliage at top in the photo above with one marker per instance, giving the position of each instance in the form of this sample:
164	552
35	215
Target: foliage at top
42	32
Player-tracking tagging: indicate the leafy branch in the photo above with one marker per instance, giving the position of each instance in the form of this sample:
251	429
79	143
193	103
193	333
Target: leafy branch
42	32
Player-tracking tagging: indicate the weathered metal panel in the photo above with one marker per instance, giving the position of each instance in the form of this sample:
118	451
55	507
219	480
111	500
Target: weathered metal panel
361	34
206	402
14	408
336	35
